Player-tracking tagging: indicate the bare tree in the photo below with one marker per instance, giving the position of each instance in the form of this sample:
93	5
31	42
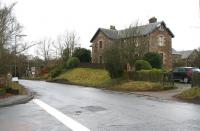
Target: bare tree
59	46
9	28
45	49
130	46
133	45
66	44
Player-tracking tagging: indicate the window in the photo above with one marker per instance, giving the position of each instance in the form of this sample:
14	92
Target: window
100	44
161	41
100	59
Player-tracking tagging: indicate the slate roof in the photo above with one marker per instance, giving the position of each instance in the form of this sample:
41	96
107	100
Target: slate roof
175	52
185	54
141	31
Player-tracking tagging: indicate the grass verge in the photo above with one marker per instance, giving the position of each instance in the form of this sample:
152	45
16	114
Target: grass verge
100	78
85	76
191	95
138	86
18	87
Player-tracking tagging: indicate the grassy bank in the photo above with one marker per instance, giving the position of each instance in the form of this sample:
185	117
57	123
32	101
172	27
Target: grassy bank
20	88
192	95
100	78
85	76
11	89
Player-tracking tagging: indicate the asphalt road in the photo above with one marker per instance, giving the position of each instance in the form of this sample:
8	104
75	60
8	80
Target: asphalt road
98	110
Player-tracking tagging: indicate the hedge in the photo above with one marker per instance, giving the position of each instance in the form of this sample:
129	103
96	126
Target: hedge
148	75
196	79
142	65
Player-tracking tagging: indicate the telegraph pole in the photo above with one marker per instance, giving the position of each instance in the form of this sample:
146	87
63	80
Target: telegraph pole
20	35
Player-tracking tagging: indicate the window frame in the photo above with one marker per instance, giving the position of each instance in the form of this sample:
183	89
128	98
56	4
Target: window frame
161	40
100	43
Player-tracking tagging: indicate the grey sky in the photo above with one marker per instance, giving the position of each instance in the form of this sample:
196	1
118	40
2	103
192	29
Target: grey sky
49	18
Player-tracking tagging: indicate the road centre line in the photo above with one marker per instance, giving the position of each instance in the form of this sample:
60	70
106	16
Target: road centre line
67	121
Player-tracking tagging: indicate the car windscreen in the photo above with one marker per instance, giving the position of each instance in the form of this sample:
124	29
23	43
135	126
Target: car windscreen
196	70
179	70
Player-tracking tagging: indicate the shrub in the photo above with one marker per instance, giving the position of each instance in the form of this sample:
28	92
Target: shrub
190	94
83	54
142	64
2	91
154	75
112	61
55	72
154	59
73	62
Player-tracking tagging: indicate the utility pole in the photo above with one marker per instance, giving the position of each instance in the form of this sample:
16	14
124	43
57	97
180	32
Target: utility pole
20	35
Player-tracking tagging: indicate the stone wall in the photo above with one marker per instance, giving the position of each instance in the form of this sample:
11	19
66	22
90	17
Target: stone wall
151	46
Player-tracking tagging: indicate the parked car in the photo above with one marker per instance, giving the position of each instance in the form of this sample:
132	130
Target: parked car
184	74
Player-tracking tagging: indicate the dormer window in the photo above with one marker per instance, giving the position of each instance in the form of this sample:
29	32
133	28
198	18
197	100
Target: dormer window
161	41
100	44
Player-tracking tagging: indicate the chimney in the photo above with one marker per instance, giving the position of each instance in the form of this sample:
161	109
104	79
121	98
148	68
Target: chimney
153	20
112	27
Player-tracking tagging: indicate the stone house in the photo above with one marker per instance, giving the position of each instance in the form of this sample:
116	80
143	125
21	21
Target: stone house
158	35
183	58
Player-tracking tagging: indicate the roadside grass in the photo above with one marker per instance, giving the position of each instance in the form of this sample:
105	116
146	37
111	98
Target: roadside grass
138	86
129	85
85	76
17	86
12	88
99	78
192	94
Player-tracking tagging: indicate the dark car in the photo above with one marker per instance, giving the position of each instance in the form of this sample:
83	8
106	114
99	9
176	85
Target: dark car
184	74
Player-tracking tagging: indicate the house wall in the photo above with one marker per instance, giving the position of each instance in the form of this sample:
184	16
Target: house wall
96	50
166	49
177	61
151	46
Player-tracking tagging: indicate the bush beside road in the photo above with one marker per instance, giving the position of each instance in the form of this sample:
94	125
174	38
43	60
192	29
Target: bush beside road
13	94
190	95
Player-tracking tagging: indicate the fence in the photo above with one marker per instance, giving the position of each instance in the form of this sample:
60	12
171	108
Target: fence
166	79
196	79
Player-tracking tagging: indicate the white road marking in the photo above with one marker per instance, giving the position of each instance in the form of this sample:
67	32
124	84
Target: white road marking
67	121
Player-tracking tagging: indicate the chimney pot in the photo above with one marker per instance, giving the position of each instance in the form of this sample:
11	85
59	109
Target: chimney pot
153	20
112	27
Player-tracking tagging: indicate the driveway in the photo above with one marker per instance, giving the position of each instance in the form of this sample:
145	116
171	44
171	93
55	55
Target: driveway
58	107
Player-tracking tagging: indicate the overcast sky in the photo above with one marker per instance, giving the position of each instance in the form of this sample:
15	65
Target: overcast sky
49	18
